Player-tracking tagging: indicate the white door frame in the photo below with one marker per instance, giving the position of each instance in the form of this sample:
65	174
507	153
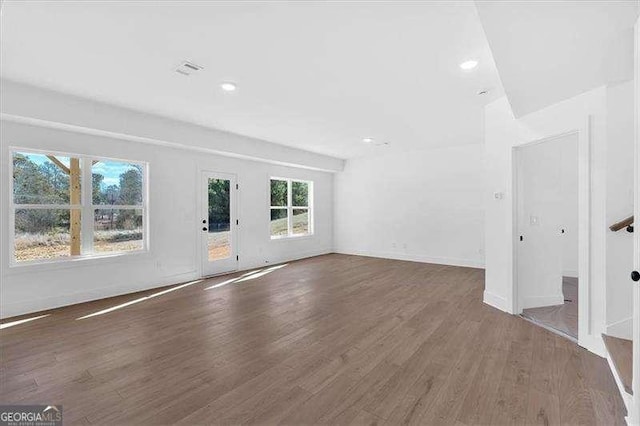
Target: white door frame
585	337
633	416
203	203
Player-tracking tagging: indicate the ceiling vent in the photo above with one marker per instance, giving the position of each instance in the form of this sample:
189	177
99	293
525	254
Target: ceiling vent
188	68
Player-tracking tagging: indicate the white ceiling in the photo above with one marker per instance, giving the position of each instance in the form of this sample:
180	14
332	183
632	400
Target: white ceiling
548	51
317	76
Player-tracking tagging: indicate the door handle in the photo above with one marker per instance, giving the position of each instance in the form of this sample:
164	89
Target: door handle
204	228
635	276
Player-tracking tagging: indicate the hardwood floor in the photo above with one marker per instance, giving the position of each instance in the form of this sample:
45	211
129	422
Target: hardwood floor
563	318
621	353
334	339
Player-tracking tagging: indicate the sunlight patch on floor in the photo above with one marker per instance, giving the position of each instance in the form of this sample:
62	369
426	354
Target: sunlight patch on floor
22	321
248	276
261	274
132	302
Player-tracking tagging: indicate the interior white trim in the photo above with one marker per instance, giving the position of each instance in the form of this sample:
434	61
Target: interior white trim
622	329
496	301
626	398
634	411
449	261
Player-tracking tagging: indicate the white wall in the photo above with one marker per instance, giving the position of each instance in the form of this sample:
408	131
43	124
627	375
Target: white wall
619	206
174	218
502	133
421	205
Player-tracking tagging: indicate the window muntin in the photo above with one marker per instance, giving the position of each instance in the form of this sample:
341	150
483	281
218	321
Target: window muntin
291	208
56	217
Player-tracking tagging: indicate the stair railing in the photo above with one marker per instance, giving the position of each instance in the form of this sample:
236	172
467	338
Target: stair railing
625	223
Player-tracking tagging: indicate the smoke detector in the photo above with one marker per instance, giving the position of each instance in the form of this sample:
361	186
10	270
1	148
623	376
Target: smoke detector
188	68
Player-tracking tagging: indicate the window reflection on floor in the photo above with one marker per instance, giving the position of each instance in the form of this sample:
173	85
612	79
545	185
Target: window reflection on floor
248	276
22	321
141	299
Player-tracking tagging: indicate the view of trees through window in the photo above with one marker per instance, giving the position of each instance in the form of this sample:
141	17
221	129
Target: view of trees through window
49	208
117	185
290	208
219	233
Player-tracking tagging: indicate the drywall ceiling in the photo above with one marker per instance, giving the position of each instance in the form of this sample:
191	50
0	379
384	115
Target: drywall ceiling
319	76
549	51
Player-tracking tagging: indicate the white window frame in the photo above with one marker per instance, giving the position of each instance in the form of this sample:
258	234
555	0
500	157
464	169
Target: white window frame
87	209
290	208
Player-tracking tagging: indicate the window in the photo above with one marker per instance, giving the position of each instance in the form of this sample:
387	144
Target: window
291	208
67	206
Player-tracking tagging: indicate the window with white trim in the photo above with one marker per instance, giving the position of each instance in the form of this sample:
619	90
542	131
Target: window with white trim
291	208
66	206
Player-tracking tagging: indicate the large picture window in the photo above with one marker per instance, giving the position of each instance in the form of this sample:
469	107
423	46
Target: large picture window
291	208
65	206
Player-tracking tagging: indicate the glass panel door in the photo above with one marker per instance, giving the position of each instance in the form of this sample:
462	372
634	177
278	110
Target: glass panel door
219	238
218	224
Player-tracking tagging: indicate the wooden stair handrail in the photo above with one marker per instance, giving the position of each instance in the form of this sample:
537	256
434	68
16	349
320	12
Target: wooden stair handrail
622	224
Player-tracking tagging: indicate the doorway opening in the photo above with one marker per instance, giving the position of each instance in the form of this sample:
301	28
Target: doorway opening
547	215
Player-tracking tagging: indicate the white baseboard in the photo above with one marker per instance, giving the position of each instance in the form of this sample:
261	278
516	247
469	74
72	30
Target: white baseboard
541	301
622	329
497	302
450	261
593	343
37	305
290	258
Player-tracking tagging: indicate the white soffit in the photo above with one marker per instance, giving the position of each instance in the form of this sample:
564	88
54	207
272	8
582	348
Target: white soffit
549	51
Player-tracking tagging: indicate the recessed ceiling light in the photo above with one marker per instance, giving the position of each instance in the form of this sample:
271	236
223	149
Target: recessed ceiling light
469	65
367	140
228	86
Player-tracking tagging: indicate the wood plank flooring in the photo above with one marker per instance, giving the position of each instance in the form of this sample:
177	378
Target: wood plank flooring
621	352
333	339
